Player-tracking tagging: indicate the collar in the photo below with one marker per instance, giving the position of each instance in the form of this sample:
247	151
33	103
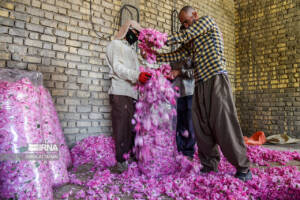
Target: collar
127	43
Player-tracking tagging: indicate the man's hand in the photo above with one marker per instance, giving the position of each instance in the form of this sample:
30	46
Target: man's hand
169	77
149	44
175	73
144	77
143	54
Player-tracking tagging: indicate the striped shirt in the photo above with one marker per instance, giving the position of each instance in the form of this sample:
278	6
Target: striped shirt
207	49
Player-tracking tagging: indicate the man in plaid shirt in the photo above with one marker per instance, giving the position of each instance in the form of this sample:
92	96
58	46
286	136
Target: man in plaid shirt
214	113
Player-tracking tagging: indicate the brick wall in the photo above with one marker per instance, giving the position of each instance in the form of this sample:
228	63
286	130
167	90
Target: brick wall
268	66
56	38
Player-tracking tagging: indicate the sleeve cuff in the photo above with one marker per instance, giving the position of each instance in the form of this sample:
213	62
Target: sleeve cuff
159	58
169	40
136	76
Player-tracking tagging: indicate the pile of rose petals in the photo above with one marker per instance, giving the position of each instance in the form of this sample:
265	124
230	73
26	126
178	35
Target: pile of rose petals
99	151
187	183
262	156
28	117
150	38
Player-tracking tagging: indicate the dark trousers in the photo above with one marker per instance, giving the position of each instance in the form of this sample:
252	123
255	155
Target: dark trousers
122	112
184	122
216	123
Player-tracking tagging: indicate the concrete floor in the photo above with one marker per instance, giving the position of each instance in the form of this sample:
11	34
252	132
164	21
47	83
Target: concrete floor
284	147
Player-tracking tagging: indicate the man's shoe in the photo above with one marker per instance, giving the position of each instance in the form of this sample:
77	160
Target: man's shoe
244	176
132	159
190	158
207	170
119	168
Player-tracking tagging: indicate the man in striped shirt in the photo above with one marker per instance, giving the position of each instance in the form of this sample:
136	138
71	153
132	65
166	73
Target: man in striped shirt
214	113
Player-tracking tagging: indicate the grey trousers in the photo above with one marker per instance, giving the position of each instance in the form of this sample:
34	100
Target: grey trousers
216	123
123	134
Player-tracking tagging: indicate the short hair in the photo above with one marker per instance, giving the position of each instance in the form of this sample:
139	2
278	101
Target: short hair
186	9
182	27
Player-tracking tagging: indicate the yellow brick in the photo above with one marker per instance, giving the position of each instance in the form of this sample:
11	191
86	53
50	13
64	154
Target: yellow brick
282	86
260	14
284	80
274	82
4	13
5	56
284	76
7	5
282	49
2	63
281	45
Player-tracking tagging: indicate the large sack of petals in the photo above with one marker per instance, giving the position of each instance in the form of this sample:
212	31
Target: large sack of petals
28	117
51	129
51	121
20	125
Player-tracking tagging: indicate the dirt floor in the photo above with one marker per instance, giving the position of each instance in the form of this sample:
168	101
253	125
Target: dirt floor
84	174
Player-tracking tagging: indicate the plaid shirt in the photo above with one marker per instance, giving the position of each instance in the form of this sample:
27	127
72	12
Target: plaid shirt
207	49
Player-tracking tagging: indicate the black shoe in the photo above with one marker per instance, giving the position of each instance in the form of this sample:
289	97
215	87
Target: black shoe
190	158
207	170
132	159
119	168
244	176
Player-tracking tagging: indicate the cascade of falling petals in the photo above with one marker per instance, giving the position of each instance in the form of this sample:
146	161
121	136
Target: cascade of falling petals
150	38
155	146
155	136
